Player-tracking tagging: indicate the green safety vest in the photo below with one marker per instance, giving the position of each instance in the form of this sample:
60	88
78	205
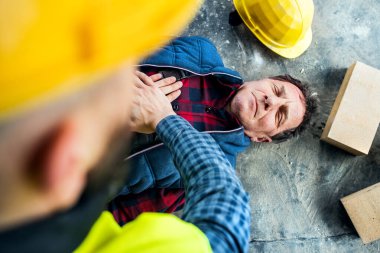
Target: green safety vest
150	232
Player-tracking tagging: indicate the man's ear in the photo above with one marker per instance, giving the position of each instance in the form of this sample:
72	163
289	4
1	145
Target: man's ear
63	171
261	139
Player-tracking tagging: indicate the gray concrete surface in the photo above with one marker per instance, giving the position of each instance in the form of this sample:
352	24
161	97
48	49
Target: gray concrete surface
295	186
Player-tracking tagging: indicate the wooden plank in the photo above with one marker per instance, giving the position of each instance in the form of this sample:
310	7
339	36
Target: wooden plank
363	207
355	115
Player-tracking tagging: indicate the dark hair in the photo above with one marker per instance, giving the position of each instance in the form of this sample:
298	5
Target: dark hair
311	104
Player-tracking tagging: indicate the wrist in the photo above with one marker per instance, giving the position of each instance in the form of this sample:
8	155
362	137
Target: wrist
161	117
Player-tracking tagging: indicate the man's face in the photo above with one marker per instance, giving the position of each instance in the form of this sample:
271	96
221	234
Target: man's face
268	107
48	156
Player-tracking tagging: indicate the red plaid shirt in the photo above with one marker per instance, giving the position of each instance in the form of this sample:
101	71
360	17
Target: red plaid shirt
126	208
202	102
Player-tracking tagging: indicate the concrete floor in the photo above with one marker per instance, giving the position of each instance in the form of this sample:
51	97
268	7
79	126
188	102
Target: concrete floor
295	186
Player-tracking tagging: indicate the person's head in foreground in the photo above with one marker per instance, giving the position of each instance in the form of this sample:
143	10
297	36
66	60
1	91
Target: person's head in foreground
273	109
65	104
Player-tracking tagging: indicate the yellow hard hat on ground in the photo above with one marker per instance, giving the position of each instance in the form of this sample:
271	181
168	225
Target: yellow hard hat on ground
50	48
284	26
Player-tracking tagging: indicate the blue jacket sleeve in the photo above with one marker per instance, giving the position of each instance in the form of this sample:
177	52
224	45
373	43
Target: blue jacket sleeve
215	199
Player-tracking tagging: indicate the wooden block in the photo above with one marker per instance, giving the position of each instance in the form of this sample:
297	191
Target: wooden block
363	207
355	115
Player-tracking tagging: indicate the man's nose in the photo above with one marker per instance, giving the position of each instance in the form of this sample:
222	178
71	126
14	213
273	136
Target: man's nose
271	102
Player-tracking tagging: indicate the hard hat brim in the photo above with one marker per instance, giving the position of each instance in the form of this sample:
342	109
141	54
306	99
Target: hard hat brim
285	51
296	50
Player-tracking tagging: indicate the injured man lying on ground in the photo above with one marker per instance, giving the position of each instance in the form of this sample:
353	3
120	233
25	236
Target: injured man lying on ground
215	100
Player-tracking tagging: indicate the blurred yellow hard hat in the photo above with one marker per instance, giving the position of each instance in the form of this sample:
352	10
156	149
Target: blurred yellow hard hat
284	26
50	48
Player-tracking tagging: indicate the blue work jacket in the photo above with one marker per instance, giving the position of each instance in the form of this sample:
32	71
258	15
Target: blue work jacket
152	165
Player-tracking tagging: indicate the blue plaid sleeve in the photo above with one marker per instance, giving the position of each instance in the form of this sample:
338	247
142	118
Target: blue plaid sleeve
215	199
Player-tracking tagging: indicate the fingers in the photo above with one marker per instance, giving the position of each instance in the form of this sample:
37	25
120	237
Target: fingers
156	77
137	82
144	78
168	86
174	95
166	81
172	87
